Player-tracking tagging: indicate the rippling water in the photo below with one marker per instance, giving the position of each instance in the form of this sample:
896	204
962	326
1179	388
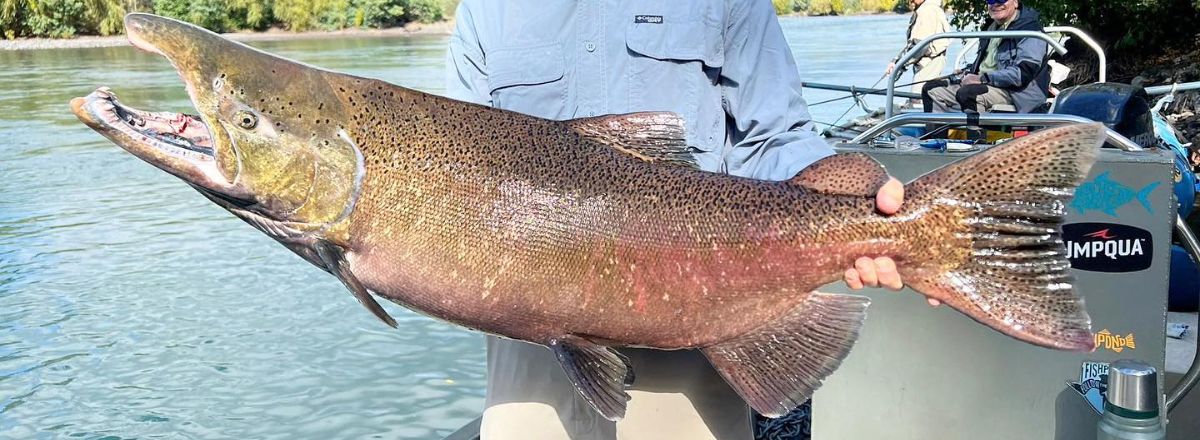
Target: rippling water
130	307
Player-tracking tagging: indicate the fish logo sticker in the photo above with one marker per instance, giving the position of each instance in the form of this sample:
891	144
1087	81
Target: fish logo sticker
1093	382
1116	343
1106	195
1108	247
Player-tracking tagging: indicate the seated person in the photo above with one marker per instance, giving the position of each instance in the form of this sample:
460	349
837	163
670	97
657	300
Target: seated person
1007	71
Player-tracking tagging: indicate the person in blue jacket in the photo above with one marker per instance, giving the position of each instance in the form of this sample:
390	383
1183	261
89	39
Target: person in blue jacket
726	68
1007	71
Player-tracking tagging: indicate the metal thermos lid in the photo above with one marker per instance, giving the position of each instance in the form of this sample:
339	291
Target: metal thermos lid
1132	389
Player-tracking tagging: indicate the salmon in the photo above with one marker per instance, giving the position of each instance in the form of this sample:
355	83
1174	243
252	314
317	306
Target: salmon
592	234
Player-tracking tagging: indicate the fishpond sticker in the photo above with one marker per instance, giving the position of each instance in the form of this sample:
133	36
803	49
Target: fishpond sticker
1093	382
1117	343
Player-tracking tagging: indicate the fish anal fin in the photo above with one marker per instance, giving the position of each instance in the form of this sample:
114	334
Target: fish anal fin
657	137
599	373
779	365
850	174
335	261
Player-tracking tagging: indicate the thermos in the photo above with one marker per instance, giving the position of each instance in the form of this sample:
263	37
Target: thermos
1131	410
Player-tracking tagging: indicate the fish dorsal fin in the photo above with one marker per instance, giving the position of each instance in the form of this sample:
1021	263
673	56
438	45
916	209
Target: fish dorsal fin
656	137
599	373
334	258
848	174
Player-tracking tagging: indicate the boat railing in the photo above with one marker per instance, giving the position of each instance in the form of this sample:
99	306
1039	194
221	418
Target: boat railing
997	119
920	49
1173	88
1074	31
1192	376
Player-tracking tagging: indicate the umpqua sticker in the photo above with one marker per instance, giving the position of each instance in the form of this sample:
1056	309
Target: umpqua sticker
1108	247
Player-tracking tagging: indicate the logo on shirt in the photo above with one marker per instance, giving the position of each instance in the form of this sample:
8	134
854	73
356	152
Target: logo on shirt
649	19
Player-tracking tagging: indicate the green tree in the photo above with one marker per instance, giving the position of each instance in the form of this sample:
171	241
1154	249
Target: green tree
783	7
210	14
1132	27
423	11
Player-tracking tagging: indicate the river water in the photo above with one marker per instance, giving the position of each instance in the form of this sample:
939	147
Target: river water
131	307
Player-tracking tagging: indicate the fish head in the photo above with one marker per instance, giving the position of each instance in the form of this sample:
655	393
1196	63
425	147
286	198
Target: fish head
269	137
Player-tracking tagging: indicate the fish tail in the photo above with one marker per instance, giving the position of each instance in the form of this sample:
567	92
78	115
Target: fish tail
1143	196
998	217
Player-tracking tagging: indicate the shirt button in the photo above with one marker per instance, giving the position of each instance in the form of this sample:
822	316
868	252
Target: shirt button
590	46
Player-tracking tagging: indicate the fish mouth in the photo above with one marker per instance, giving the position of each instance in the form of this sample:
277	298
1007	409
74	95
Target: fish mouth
177	143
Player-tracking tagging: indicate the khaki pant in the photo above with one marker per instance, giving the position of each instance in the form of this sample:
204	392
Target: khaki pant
974	97
675	395
927	69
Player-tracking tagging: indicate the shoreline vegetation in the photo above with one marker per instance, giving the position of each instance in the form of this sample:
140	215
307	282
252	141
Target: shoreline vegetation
443	27
51	24
1149	41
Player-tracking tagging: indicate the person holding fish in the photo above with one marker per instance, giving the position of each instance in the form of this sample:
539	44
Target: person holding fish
725	67
598	237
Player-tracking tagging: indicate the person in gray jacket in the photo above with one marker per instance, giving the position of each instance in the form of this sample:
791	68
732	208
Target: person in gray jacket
1007	71
725	67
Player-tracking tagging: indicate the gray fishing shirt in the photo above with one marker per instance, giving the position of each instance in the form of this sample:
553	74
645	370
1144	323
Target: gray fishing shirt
722	65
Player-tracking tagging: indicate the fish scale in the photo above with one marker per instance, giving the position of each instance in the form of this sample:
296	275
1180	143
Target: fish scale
596	233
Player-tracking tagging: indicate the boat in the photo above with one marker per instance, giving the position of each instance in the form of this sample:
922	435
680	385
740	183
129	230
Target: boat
917	373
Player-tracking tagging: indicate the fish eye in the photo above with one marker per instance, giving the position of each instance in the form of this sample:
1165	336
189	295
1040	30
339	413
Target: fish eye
246	119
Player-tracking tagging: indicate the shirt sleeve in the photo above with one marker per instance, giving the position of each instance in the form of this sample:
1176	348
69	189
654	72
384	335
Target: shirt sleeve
771	132
466	74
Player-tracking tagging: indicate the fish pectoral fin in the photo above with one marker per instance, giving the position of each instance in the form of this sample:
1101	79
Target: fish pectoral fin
656	137
778	366
334	258
599	373
849	174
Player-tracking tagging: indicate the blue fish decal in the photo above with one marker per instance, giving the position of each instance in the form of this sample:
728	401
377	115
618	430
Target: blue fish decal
1107	195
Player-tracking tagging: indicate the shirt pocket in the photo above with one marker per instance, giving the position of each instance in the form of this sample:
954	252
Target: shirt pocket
528	79
675	67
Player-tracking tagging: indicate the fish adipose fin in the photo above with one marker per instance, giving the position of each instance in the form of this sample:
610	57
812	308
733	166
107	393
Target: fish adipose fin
849	174
335	261
599	373
778	366
656	137
1003	211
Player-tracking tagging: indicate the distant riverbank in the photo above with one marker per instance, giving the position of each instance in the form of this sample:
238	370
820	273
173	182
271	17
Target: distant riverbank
439	28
